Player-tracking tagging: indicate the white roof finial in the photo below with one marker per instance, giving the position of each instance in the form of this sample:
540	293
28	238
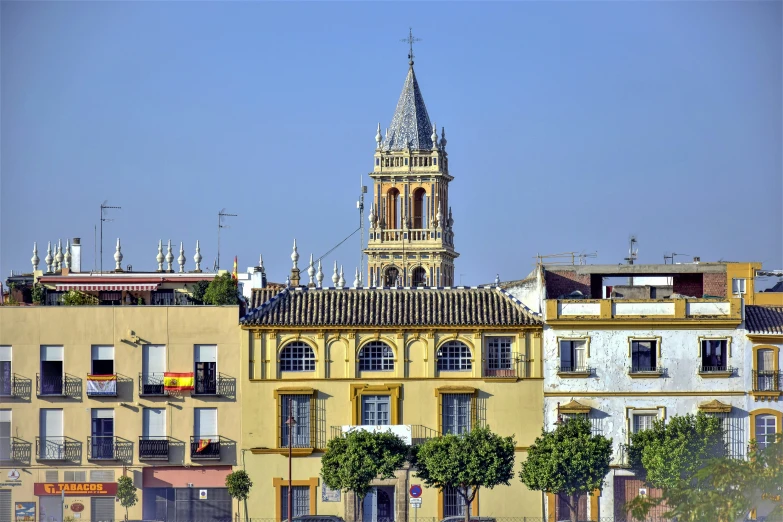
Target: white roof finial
295	255
434	136
159	258
356	279
336	276
35	259
49	259
320	275
58	257
261	262
311	271
341	282
181	258
497	279
68	254
169	258
118	257
443	138
197	258
378	136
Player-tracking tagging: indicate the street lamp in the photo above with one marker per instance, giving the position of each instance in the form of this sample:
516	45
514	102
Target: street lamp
559	420
290	423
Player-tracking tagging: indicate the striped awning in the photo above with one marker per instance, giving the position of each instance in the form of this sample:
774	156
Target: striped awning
84	287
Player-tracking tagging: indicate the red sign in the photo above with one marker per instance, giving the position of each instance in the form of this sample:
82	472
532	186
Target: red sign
77	507
73	489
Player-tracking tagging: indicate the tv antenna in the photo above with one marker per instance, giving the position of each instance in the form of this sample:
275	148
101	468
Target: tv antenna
360	206
633	253
672	256
104	208
222	215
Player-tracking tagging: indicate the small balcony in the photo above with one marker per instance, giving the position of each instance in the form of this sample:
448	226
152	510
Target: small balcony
102	385
411	434
720	370
575	371
221	386
101	448
151	384
650	372
15	387
57	448
57	385
510	366
205	447
154	448
767	385
15	450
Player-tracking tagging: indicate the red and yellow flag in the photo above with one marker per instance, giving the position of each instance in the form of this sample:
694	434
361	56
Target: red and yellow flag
234	272
202	445
177	381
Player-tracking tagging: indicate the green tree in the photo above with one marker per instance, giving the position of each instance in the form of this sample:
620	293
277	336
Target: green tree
569	461
221	291
674	451
38	293
723	489
352	462
239	484
74	298
466	462
198	291
126	493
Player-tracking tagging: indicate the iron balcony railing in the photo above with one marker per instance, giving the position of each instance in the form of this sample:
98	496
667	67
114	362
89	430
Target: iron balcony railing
102	448
57	385
153	448
657	370
221	386
205	447
102	387
507	366
15	450
57	448
571	368
767	381
720	368
151	384
163	298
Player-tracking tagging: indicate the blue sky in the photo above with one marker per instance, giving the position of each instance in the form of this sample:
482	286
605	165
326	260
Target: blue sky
570	126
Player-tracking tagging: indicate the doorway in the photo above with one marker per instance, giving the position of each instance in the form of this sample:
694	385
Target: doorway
379	505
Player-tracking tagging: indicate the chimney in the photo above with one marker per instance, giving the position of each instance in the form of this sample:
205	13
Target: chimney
76	255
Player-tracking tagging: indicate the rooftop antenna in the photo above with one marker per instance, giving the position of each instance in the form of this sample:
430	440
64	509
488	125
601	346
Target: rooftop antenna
360	206
632	254
410	40
104	208
222	215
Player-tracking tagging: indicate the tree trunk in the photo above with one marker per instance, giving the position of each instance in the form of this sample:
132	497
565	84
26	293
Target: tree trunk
468	502
360	511
574	508
246	519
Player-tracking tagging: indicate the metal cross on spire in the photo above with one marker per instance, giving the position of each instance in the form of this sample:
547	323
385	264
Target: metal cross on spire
410	40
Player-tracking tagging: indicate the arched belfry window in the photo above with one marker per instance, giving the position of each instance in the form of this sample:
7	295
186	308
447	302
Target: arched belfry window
297	357
454	356
419	208
376	356
393	209
391	276
419	276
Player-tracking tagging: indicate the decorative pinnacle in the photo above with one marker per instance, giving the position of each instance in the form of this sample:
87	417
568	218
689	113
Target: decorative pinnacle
48	259
378	136
443	137
356	279
35	259
320	275
497	279
261	261
58	257
169	258
118	257
311	271
336	276
68	254
159	258
410	40
341	282
197	258
181	258
294	255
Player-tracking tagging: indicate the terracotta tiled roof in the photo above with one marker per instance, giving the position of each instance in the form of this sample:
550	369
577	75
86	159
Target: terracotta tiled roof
260	296
486	306
764	319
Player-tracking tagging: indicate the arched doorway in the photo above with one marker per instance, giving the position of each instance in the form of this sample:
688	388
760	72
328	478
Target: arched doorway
390	276
419	276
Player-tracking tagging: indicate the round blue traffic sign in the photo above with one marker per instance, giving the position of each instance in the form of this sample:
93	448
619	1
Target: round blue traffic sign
415	491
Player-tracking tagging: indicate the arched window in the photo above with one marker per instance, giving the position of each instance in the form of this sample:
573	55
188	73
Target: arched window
297	357
454	356
419	208
419	276
391	276
765	430
376	356
393	209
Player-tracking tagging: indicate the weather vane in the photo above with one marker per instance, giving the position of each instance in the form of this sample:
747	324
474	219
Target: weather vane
410	40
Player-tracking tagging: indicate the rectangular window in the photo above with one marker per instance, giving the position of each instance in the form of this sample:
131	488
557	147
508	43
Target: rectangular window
299	405
573	356
205	425
300	501
52	442
376	410
453	503
74	476
733	434
6	377
499	357
713	355
102	438
206	369
52	376
456	413
153	366
738	286
643	421
102	360
765	430
5	435
643	356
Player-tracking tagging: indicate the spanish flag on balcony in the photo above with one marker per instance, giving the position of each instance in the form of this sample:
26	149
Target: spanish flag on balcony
202	445
177	381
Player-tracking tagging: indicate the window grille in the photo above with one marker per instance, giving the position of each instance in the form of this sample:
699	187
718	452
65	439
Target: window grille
453	503
51	475
297	357
456	413
300	501
75	476
499	353
733	434
454	356
300	404
97	475
376	356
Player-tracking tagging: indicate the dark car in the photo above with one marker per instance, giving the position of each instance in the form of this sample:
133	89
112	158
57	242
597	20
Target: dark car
472	519
318	518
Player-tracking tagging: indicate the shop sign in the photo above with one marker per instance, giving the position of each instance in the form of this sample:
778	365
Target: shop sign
77	507
202	494
25	511
13	475
98	489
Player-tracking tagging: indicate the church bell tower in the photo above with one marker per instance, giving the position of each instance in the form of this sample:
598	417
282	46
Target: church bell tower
411	239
